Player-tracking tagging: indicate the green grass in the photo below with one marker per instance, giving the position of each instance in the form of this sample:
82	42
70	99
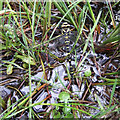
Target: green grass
28	50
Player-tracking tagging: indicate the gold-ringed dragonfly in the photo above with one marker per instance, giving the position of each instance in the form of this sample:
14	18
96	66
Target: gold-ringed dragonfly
62	45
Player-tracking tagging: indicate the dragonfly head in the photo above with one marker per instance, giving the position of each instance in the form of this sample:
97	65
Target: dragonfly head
65	28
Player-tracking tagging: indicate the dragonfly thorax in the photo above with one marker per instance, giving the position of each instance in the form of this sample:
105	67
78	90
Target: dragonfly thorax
65	30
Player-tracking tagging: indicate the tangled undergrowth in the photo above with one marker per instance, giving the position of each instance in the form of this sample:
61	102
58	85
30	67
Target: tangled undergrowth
35	79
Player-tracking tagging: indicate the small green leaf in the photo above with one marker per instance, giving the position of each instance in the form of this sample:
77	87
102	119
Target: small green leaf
88	73
66	109
2	47
10	34
25	65
56	114
64	96
9	69
26	59
2	102
69	115
8	103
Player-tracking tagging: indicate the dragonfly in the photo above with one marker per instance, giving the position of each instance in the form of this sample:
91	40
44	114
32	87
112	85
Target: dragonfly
63	45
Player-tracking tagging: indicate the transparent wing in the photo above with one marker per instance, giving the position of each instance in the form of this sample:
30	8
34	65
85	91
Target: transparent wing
59	46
